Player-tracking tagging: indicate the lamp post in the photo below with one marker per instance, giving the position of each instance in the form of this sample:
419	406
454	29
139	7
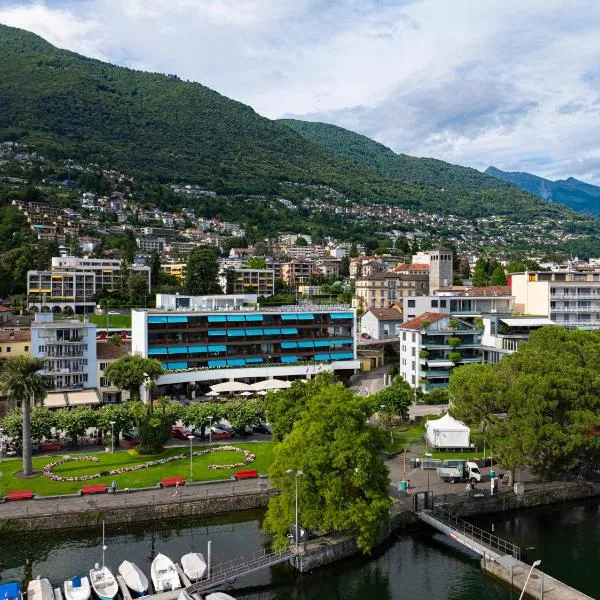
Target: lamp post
210	429
191	438
112	437
1	441
296	474
536	563
428	455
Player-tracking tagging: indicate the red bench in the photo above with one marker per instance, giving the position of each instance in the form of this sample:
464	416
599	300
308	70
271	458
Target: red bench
94	488
248	474
20	495
172	481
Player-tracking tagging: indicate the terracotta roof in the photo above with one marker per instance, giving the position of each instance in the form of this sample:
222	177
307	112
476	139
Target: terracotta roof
492	290
394	275
20	335
108	350
416	323
18	322
386	314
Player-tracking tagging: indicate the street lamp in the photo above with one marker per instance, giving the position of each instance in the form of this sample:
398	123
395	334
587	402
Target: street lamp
191	438
428	455
210	418
296	474
535	564
112	437
1	440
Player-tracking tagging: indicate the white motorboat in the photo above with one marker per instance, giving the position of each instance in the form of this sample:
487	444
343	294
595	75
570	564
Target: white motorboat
11	590
135	580
40	589
194	565
77	588
103	581
164	574
219	596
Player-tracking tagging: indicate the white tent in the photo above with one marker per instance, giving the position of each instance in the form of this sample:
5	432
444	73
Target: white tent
447	432
271	384
230	386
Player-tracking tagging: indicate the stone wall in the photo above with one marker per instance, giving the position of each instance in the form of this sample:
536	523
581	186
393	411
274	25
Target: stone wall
136	514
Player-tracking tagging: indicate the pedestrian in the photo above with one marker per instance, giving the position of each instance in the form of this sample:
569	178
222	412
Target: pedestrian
113	486
408	486
177	491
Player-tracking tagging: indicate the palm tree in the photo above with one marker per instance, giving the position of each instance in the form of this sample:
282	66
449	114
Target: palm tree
20	381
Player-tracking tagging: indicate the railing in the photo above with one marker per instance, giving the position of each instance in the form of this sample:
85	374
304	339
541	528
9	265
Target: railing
484	538
238	567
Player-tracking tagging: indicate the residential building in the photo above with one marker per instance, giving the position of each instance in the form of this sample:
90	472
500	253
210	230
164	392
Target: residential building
107	353
14	343
441	271
366	266
148	243
289	239
328	267
296	272
569	297
216	302
6	314
74	282
175	269
461	301
432	345
381	323
504	333
68	348
202	347
249	281
309	290
383	289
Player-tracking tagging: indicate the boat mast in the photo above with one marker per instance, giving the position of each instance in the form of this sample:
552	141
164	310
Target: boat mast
103	546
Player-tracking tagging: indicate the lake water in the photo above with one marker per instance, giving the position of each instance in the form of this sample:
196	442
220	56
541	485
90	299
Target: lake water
421	564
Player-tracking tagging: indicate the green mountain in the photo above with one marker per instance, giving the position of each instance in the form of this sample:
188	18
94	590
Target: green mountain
161	129
571	192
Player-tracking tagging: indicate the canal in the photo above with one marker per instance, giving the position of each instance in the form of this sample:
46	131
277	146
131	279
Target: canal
422	564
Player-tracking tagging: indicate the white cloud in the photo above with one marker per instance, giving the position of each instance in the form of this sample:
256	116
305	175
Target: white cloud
502	82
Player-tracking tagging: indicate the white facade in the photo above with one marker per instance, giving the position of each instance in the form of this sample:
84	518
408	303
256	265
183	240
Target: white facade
68	348
217	302
457	304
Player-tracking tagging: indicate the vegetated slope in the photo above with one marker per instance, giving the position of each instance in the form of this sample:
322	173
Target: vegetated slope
419	171
571	192
160	128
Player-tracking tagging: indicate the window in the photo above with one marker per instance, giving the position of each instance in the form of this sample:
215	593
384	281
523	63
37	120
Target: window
26	348
413	351
103	366
104	382
442	303
8	348
434	304
404	336
411	303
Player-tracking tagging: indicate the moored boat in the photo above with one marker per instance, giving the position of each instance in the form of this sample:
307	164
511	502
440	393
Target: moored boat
40	589
219	596
194	565
164	574
11	590
77	588
134	578
103	582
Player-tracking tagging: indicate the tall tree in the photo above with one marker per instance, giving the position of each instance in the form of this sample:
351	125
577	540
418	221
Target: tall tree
21	381
345	267
131	372
344	486
480	276
154	267
498	276
203	272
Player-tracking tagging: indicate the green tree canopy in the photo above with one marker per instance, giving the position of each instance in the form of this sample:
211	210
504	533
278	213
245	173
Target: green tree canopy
480	275
131	372
257	262
397	398
345	482
202	272
75	421
498	276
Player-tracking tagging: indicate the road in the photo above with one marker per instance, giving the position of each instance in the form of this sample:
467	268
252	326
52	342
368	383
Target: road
370	382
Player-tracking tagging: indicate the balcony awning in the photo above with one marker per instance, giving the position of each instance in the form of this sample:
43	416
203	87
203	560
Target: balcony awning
528	322
79	398
445	364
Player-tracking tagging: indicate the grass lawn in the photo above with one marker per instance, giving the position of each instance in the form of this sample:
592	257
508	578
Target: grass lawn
123	321
405	436
143	478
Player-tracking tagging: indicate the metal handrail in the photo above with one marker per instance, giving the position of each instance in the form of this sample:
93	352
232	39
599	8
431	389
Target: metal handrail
480	535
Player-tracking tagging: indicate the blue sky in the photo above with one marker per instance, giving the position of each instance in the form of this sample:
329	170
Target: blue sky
475	82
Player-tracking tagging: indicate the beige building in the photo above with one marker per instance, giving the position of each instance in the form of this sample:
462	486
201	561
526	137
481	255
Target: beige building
296	271
384	289
178	269
570	298
14	343
253	281
107	353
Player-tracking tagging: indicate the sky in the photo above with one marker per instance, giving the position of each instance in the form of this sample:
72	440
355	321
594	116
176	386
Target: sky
509	83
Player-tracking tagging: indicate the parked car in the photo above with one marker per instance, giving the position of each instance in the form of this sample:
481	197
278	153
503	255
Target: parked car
198	433
262	427
224	426
179	433
221	435
365	336
244	431
131	437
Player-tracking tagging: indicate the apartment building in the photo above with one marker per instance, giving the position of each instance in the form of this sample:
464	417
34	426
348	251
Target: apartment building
203	347
107	353
175	269
251	281
464	302
74	282
383	289
68	348
296	272
432	345
14	343
569	297
149	243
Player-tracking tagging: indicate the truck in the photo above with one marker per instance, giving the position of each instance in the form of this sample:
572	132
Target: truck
459	470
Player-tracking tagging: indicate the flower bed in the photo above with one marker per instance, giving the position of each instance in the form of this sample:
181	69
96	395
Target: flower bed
48	469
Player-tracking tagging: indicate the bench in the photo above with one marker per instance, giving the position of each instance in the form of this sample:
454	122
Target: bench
94	488
171	481
20	495
248	474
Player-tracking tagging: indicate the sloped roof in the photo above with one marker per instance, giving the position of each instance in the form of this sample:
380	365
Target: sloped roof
19	335
108	351
386	314
431	317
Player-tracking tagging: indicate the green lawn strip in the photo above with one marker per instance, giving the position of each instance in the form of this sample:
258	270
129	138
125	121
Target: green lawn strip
148	477
115	321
